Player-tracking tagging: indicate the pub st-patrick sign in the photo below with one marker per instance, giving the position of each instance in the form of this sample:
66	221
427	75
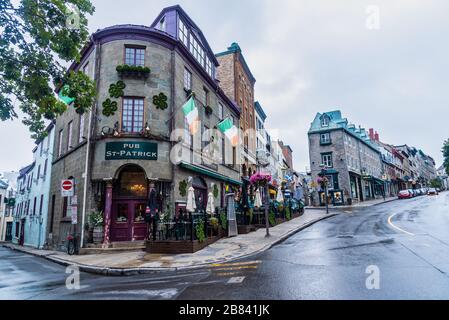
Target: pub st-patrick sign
131	151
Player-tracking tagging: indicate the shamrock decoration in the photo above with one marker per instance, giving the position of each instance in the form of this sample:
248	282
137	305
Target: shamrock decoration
160	101
116	89
109	107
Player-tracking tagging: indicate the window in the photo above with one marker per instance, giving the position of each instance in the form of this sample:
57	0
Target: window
69	136
220	111
60	142
209	69
81	129
65	202
86	69
234	156
183	33
41	147
135	56
45	167
325	121
34	206
41	205
132	116
187	79
325	138
162	24
326	159
206	97
38	174
197	51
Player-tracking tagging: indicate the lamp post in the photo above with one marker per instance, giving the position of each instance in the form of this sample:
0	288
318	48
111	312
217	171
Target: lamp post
326	195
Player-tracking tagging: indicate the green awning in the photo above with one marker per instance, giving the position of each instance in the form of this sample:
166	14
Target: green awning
209	173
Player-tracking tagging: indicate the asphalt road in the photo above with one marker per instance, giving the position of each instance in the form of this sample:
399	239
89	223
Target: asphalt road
403	244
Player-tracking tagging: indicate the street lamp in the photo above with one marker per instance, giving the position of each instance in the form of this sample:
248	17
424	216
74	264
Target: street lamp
323	174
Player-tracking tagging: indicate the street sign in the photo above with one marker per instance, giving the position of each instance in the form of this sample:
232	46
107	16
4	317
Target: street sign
67	188
74	214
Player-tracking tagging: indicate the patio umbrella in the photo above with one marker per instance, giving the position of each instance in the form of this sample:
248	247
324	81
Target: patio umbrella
210	209
191	204
258	200
280	196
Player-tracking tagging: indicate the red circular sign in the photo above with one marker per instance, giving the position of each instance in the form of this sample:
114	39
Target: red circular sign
67	185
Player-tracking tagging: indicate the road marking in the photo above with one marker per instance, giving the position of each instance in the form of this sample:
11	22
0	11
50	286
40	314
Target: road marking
235	268
236	280
222	265
397	228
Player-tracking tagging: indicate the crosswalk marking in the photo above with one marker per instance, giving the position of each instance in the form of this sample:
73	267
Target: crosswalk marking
224	265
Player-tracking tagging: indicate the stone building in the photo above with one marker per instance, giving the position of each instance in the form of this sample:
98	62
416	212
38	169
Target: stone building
238	83
352	162
114	154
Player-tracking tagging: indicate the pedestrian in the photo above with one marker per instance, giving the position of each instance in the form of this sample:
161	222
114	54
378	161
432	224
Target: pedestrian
152	212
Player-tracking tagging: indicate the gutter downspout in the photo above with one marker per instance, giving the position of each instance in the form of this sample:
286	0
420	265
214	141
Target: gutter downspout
91	128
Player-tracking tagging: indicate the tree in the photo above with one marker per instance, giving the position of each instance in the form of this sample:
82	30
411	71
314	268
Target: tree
39	37
446	155
436	183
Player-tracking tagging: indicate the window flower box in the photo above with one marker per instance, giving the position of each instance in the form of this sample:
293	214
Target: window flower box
127	71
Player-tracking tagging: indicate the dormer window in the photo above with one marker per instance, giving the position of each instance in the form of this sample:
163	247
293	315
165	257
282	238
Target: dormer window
325	121
162	24
183	33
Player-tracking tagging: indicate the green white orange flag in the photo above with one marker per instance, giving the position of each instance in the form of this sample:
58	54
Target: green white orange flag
192	116
63	98
229	130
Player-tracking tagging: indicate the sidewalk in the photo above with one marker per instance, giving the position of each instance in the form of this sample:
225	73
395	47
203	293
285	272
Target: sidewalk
365	204
223	251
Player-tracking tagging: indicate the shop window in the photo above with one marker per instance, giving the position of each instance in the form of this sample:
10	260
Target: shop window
122	213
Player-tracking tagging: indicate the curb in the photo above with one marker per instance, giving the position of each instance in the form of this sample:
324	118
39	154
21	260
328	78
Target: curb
105	271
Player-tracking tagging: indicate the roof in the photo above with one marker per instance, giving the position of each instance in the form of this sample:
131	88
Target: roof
260	111
3	184
235	49
26	169
337	122
189	20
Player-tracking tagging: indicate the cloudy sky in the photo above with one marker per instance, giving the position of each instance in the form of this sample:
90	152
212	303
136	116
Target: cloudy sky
316	56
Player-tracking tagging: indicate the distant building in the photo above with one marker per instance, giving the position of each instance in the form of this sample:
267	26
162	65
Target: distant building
33	195
8	182
443	176
237	81
352	161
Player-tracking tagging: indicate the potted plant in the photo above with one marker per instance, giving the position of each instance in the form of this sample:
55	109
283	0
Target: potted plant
96	221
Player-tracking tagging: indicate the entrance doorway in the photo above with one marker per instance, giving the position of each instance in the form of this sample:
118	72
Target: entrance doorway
130	197
8	237
200	187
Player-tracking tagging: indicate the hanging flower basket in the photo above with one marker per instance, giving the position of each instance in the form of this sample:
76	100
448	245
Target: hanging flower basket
323	181
260	179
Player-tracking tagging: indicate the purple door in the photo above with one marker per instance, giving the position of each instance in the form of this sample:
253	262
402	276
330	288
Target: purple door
128	221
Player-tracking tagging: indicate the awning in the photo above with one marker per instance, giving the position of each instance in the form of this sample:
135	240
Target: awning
209	173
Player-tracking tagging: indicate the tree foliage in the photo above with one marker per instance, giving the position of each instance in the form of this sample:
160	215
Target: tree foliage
38	38
446	155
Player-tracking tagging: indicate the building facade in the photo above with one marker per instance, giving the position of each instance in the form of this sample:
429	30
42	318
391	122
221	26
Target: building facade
443	176
31	209
115	157
238	83
352	163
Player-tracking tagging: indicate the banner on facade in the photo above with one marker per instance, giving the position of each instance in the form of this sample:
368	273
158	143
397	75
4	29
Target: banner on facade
131	151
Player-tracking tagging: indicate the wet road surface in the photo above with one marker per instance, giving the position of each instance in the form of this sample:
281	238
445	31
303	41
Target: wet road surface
407	242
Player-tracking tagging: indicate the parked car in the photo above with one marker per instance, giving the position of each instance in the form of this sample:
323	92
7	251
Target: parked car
406	194
432	192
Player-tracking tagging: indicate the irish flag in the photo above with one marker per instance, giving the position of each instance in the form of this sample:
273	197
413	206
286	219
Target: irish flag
230	131
192	116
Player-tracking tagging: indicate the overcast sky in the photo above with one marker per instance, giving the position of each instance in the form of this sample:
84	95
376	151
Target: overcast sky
316	56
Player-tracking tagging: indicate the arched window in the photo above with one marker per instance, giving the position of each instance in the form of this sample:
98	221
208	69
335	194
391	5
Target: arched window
132	183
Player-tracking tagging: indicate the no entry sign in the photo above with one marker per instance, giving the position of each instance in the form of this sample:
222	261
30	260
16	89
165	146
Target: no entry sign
67	188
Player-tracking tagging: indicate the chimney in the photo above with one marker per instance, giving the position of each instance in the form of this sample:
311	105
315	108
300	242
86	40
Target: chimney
371	134
376	136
